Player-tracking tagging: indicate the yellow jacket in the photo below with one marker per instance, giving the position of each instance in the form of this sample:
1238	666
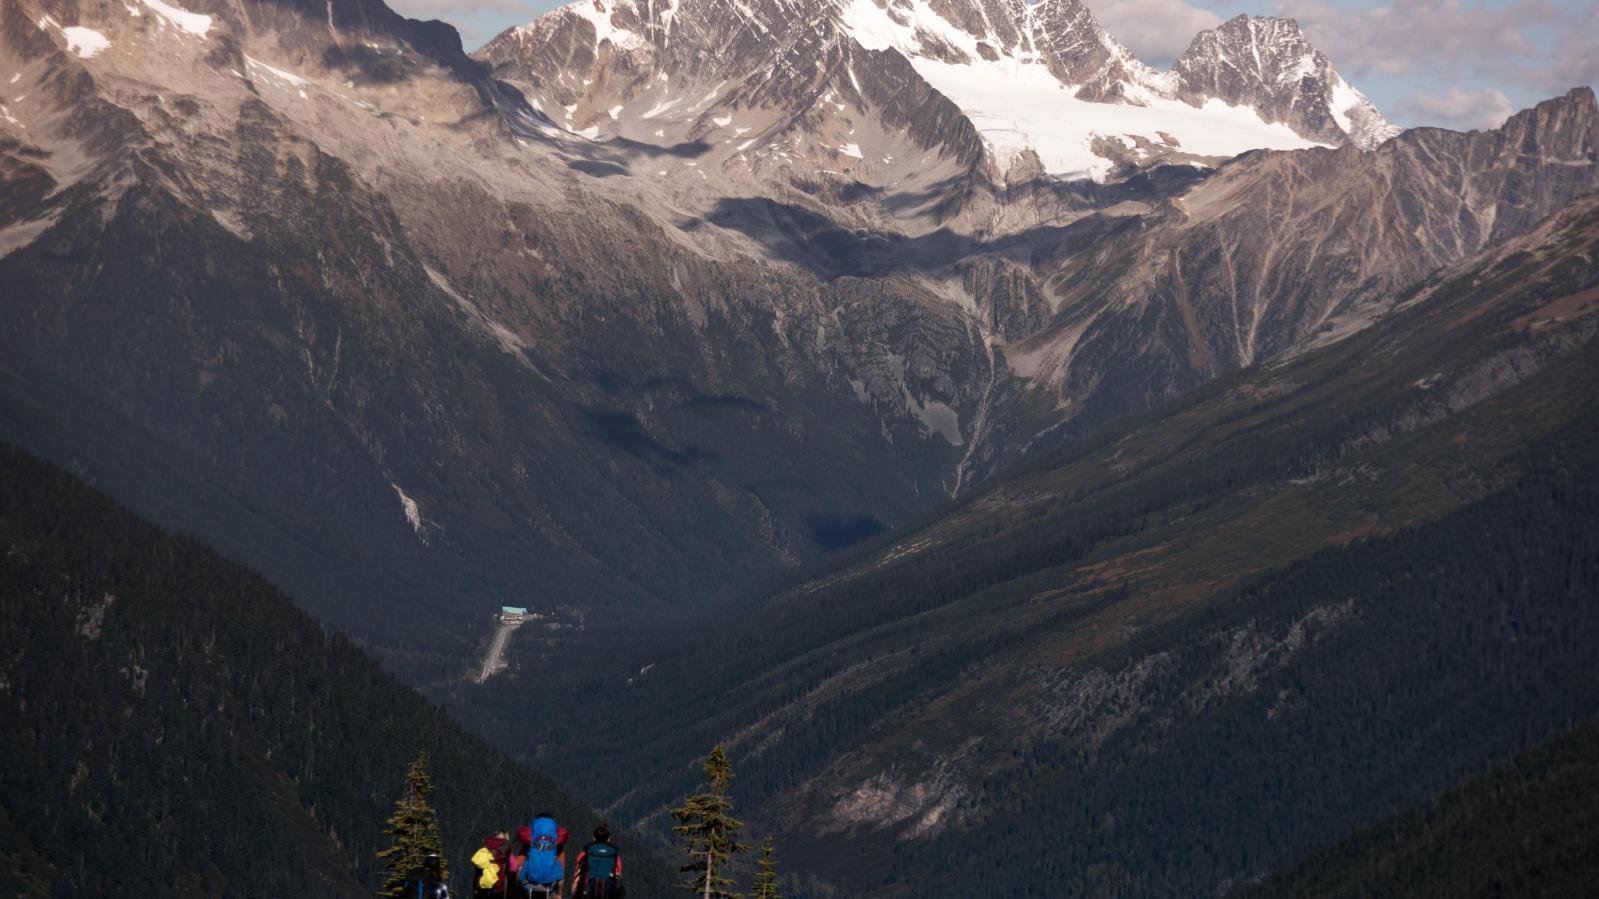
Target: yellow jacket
484	859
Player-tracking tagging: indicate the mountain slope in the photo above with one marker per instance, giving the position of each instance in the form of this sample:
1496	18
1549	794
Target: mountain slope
277	286
1528	827
333	297
174	726
1279	252
1377	550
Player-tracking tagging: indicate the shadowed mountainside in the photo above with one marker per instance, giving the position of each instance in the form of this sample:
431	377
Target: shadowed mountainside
172	725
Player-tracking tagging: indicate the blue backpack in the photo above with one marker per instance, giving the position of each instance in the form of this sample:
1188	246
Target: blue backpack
601	861
543	865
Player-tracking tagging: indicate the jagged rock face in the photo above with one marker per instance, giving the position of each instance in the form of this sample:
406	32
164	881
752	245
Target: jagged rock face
1079	52
619	68
1267	64
997	23
777	80
1281	252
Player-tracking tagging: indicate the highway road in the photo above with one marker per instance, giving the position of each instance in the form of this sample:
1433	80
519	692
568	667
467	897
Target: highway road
493	659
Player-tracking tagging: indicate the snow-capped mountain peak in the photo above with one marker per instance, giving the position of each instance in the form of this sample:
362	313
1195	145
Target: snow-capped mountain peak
1267	64
1043	84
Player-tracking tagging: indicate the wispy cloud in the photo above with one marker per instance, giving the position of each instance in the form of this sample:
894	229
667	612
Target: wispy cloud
431	8
1460	109
1438	58
1157	31
1409	37
1576	51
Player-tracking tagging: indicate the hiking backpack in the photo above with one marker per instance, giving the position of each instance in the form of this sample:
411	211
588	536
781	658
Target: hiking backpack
601	861
600	880
543	864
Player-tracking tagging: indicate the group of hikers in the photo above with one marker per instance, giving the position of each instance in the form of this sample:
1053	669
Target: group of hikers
531	866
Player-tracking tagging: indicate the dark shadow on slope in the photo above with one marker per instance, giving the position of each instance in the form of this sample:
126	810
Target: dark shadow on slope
833	531
796	234
595	168
692	149
1150	187
804	237
620	430
615	157
733	402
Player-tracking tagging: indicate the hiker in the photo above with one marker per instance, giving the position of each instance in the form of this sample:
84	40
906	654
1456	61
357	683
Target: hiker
427	882
542	873
493	862
515	856
599	869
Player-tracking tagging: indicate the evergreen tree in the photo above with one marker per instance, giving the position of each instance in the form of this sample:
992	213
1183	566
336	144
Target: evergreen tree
766	877
710	832
414	827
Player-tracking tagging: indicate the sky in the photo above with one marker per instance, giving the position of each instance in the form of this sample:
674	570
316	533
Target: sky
1456	63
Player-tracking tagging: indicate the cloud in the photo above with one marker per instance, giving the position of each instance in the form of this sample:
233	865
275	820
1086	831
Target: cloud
1576	52
1157	31
1408	37
1460	109
431	8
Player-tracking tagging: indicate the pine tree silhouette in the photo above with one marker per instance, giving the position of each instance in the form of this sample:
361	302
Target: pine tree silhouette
414	827
766	876
710	832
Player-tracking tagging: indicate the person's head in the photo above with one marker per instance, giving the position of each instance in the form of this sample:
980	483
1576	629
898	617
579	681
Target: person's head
431	864
501	834
602	834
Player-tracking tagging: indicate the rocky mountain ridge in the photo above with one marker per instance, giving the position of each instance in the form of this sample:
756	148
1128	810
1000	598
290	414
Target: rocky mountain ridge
410	304
1044	84
1266	63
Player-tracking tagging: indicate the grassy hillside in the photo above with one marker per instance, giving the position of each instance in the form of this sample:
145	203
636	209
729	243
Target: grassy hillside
173	726
1526	828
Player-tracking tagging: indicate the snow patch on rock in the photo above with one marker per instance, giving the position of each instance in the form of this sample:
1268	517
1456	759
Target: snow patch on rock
598	13
194	23
85	42
413	513
290	77
1018	104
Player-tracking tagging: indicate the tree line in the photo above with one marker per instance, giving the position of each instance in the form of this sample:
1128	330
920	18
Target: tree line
707	830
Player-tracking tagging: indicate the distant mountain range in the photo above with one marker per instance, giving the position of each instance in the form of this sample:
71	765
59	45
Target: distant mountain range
379	319
843	85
